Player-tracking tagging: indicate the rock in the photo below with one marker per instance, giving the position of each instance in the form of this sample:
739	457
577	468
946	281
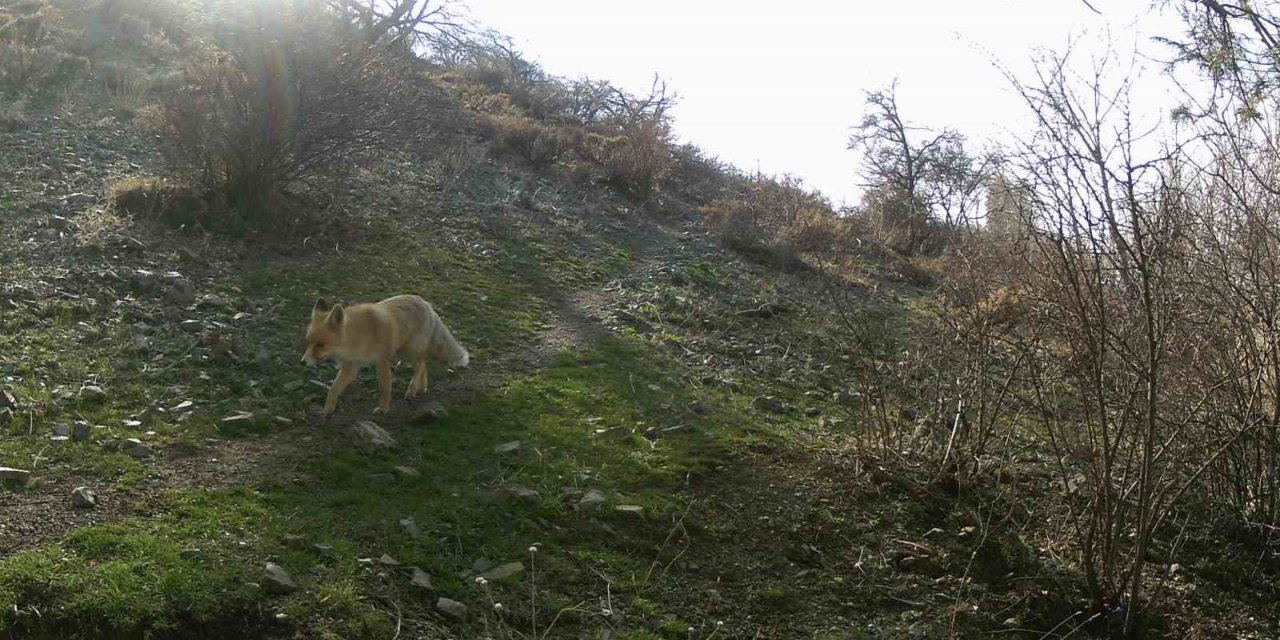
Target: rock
369	434
79	199
212	300
812	412
276	580
387	561
241	417
594	500
83	498
20	476
422	580
80	431
480	565
616	433
143	280
136	448
7	400
410	527
503	571
831	423
513	494
92	393
180	292
768	403
432	412
452	609
509	448
322	550
631	510
191	326
62	430
190	554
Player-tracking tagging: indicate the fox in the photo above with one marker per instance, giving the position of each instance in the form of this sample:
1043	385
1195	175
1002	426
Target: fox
372	334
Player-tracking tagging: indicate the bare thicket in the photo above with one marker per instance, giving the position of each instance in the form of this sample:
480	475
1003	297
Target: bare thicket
291	96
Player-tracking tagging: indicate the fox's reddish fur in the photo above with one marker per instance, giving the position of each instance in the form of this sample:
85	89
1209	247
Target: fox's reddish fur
373	334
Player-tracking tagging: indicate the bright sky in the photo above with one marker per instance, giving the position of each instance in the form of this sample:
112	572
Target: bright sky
777	85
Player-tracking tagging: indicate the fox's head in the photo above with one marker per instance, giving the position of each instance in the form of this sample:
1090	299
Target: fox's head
323	332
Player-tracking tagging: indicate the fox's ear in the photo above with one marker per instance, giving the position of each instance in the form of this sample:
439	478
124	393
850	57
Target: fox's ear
321	306
336	316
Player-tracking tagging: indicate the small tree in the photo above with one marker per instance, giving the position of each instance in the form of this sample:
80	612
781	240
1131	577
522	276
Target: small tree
921	187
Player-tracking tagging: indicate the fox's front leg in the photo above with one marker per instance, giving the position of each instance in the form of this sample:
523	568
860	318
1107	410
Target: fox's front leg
346	373
384	385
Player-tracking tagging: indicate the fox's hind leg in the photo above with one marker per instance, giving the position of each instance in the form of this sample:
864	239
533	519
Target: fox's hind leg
384	385
419	381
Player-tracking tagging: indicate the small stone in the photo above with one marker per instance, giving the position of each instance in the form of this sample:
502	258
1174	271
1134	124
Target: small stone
432	412
212	300
143	280
503	571
452	609
631	510
19	476
768	403
92	393
190	554
508	448
616	433
517	494
594	500
812	412
481	565
79	199
322	550
62	430
388	561
422	580
371	435
136	448
191	326
239	418
83	498
181	292
80	431
276	580
408	472
410	527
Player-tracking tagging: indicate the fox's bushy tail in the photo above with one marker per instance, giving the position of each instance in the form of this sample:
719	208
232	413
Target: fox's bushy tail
456	355
447	347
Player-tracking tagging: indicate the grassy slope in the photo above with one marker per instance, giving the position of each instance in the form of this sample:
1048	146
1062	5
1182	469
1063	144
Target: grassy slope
583	316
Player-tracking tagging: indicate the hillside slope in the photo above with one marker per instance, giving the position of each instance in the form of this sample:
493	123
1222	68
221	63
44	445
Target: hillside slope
666	437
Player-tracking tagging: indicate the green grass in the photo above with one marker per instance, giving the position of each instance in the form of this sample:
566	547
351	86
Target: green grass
131	577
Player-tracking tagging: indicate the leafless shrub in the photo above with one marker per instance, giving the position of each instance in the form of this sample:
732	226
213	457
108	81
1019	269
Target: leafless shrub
291	98
538	144
33	55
